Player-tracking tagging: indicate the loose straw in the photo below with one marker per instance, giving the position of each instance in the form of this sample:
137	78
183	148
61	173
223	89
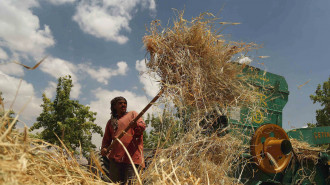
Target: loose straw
130	159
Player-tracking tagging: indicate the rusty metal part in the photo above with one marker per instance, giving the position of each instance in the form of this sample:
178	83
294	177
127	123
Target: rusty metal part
271	148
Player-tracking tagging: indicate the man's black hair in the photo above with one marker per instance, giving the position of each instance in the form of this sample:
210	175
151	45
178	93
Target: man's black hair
113	103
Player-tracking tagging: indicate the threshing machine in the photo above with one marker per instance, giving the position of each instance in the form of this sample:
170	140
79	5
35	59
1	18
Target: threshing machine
272	159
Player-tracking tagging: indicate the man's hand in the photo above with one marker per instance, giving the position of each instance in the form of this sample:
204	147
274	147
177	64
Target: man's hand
104	151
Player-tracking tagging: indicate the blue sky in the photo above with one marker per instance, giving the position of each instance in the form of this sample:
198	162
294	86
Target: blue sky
99	43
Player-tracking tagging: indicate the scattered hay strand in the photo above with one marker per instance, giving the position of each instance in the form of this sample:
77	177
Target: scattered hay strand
130	159
31	68
304	151
300	86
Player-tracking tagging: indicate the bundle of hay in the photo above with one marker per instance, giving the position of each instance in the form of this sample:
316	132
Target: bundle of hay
25	160
197	160
199	73
196	64
303	151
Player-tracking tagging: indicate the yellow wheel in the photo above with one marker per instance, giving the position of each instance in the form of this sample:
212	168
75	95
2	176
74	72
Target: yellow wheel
271	148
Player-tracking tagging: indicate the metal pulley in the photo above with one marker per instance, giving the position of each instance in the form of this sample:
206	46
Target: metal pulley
271	148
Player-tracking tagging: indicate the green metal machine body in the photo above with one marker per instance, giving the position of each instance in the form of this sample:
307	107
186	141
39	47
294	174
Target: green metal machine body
313	136
273	96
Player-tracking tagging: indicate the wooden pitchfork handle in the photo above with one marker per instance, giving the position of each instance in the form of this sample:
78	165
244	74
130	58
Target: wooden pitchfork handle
136	118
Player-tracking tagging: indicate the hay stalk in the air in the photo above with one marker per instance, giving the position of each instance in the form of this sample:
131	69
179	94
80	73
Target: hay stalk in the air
197	65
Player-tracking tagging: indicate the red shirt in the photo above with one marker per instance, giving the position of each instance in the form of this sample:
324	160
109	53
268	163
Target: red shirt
133	140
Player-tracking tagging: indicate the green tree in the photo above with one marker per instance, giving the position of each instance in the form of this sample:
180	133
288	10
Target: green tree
322	96
165	130
72	122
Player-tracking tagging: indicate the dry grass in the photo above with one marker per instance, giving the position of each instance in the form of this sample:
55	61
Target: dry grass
304	151
197	160
197	65
200	74
25	160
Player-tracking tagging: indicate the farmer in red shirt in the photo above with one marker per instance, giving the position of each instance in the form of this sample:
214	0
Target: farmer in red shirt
120	167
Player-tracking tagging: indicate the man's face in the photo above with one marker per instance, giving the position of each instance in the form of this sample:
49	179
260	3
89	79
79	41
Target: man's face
121	107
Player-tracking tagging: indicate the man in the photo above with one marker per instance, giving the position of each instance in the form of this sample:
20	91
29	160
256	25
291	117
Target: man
120	167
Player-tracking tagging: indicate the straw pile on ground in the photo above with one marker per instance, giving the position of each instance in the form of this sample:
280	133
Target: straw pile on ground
197	65
197	160
24	160
304	151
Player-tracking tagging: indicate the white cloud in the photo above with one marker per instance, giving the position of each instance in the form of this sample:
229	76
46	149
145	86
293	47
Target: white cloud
12	69
50	89
152	5
59	2
108	18
58	68
149	81
9	86
102	106
245	60
3	54
20	30
140	65
103	74
122	68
